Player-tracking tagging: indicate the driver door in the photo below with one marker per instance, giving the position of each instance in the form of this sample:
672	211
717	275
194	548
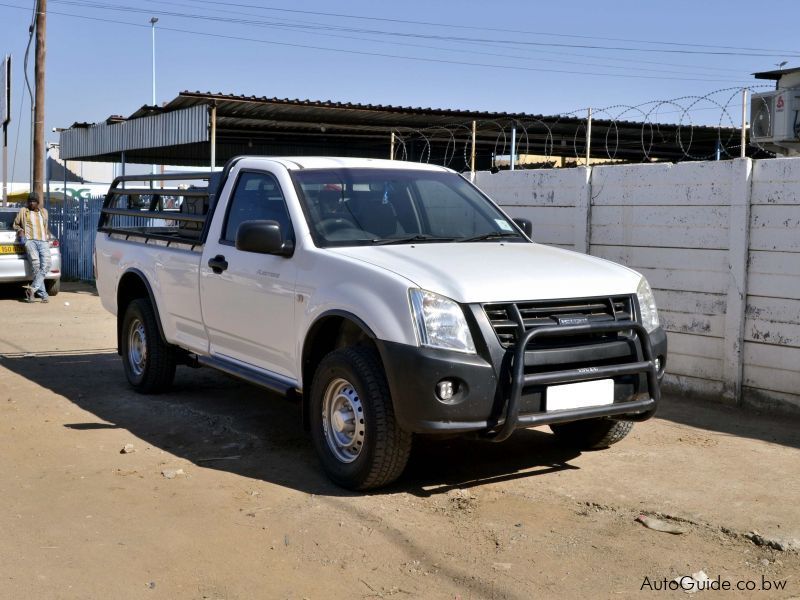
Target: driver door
248	306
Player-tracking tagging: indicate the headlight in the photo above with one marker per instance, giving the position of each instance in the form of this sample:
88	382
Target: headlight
440	322
647	305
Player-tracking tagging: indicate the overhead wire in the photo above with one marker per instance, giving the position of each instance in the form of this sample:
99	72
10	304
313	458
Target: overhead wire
379	54
627	60
511	43
627	66
685	106
480	28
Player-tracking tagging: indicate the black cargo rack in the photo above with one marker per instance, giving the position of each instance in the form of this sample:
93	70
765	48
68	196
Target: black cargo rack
154	219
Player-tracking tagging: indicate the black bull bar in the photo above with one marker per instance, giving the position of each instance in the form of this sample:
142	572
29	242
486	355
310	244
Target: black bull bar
637	410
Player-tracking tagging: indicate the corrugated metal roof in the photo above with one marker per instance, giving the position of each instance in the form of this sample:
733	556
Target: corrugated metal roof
175	128
775	74
283	126
379	114
378	109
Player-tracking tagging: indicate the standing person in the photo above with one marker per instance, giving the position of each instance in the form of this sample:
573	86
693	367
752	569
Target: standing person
32	230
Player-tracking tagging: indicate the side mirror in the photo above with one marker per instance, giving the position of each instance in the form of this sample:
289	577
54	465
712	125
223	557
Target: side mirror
263	237
526	226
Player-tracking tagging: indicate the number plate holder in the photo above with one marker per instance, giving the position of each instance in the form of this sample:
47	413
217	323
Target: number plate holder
12	249
579	395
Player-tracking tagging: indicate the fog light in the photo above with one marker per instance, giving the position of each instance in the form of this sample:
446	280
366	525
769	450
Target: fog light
445	390
661	366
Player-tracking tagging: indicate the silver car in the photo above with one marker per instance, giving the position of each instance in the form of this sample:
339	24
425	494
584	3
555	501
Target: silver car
14	266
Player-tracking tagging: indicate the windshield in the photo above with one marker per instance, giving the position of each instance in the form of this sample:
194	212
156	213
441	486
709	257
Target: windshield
349	207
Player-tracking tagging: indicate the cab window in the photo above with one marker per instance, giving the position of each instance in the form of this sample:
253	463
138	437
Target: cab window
257	196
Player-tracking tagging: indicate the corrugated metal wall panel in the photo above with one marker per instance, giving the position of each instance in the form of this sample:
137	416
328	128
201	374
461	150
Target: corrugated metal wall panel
185	126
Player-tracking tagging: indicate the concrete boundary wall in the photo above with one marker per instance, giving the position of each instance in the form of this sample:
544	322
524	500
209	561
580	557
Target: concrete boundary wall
719	243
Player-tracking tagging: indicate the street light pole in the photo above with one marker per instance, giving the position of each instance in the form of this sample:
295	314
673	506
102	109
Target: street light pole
153	21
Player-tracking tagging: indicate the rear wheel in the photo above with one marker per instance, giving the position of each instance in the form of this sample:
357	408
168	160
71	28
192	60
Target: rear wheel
149	361
592	434
355	434
53	286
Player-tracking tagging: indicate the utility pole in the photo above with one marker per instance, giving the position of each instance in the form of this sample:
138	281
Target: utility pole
38	112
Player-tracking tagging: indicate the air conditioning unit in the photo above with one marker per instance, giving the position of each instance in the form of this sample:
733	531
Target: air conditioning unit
775	119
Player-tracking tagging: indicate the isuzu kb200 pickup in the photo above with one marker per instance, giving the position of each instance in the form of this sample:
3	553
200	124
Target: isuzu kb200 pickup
390	298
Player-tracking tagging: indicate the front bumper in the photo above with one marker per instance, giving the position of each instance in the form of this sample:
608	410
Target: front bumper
498	392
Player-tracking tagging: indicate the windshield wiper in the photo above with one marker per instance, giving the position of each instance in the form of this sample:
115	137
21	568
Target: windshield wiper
492	235
419	237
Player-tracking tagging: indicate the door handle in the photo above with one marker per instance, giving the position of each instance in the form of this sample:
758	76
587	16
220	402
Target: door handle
218	264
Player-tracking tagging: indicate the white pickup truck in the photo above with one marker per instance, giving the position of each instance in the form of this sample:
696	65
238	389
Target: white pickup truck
389	298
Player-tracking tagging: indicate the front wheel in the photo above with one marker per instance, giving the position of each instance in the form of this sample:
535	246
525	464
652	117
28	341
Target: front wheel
149	361
355	434
592	434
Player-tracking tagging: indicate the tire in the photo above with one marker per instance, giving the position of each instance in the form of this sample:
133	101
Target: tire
349	390
149	361
592	434
53	286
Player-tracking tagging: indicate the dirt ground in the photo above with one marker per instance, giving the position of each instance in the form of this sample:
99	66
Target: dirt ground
249	514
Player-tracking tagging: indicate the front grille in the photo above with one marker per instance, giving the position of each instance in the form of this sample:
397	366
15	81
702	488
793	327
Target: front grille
508	318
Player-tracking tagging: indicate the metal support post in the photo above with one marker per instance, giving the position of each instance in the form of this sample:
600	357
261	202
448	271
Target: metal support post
62	233
47	171
213	136
80	230
743	152
391	148
513	146
588	135
472	158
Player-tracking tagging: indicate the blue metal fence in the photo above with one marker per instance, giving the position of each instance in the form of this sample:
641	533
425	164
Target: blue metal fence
74	223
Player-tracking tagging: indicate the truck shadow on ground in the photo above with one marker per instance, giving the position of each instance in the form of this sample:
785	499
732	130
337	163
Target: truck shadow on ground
216	422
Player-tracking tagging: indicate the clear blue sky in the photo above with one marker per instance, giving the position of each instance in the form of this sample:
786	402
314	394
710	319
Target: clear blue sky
534	57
